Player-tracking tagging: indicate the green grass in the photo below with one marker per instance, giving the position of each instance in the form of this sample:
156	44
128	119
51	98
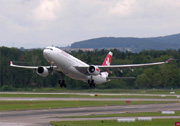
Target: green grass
139	91
154	122
144	91
140	114
30	105
84	96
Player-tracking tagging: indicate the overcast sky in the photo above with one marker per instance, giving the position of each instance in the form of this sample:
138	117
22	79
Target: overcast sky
40	23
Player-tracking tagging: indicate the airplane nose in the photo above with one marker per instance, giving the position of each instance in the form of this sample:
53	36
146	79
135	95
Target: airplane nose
46	54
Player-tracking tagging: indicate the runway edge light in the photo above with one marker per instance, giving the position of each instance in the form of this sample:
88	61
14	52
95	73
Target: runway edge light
128	102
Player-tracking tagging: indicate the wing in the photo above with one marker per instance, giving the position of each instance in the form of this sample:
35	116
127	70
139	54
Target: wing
83	69
120	78
30	67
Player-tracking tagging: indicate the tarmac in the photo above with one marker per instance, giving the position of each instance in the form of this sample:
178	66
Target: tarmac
45	116
81	99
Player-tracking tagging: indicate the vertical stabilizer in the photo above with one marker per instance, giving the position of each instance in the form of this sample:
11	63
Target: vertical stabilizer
107	61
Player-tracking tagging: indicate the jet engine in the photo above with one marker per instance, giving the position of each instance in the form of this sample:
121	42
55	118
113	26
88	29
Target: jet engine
93	70
42	71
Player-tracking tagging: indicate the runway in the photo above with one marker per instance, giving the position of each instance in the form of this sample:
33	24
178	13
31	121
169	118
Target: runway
43	117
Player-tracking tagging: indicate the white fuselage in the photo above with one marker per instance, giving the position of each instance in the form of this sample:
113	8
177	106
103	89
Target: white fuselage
66	63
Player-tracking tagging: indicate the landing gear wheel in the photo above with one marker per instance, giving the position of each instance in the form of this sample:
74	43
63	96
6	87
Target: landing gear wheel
91	83
62	83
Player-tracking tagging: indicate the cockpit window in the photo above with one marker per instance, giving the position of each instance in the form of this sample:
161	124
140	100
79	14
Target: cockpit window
50	49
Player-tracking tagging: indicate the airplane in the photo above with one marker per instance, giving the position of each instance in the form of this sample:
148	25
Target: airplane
66	64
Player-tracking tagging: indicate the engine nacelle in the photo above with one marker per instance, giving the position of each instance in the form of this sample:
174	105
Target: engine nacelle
42	71
94	70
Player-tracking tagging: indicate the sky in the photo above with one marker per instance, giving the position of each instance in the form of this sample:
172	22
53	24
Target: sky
41	23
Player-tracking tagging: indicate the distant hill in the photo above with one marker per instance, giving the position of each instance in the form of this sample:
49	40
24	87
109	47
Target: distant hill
135	44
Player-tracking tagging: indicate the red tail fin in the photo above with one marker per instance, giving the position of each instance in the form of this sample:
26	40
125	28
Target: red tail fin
107	61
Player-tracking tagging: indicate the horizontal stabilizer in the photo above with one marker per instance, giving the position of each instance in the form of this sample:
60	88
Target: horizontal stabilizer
120	78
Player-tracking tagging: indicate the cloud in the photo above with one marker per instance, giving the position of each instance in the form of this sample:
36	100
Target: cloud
62	22
46	10
167	3
123	7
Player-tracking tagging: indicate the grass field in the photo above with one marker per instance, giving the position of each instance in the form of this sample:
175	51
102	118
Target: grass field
34	105
139	91
30	105
84	96
154	122
139	114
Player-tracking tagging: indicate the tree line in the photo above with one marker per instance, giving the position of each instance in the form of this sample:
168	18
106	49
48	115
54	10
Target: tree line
161	76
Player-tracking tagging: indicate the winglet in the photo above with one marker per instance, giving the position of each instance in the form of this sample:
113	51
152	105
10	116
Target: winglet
11	63
169	60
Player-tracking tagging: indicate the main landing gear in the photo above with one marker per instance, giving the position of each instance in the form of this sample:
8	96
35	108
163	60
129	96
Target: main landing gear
62	81
91	83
